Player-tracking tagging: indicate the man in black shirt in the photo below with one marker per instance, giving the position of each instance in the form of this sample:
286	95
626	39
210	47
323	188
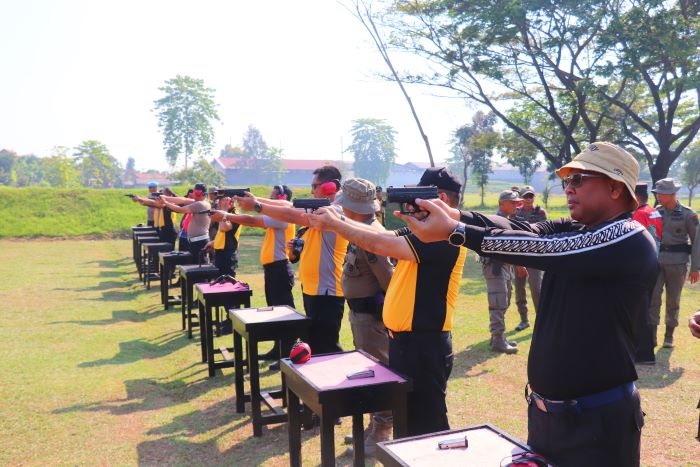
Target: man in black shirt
599	272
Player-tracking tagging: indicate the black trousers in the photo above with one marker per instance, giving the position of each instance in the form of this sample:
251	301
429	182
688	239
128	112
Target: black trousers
326	313
196	248
223	260
279	281
183	244
427	358
604	436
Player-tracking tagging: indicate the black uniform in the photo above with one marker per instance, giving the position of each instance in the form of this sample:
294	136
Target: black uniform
596	282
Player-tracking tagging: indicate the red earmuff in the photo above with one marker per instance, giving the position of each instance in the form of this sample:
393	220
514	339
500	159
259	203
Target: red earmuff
301	352
330	188
198	193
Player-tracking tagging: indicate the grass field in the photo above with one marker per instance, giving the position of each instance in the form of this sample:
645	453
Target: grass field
52	212
95	372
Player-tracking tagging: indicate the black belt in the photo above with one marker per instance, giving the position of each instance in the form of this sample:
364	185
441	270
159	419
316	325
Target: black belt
579	404
276	264
683	248
366	305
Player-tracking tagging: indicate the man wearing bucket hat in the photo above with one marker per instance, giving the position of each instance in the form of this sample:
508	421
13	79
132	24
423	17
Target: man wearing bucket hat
420	302
678	245
365	279
532	213
499	277
599	266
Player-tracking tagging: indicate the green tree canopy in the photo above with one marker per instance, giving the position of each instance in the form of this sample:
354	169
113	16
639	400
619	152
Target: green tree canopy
689	163
7	163
264	162
98	168
201	171
373	148
472	149
60	170
185	115
626	71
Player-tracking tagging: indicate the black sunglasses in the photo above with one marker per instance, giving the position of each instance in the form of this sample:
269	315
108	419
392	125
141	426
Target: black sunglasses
576	180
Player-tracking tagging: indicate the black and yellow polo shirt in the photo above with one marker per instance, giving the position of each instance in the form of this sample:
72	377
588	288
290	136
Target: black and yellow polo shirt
228	240
422	294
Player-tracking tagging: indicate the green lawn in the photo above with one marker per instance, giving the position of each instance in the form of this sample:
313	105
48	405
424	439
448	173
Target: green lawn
94	372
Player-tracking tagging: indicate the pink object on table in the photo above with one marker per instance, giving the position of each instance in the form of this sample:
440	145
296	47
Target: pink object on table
330	371
264	314
222	288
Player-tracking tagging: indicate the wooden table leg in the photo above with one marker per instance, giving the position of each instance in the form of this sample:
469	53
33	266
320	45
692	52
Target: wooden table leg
238	368
202	332
254	371
190	293
327	439
294	430
209	337
183	297
358	440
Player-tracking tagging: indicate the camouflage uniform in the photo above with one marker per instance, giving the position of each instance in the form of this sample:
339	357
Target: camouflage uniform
678	245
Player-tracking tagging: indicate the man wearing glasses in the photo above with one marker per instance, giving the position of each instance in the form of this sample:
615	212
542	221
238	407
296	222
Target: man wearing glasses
528	212
599	268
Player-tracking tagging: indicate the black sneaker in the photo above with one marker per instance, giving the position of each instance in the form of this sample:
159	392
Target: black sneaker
275	366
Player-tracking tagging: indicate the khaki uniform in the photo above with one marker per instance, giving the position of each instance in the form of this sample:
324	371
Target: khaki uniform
678	245
499	277
365	278
534	276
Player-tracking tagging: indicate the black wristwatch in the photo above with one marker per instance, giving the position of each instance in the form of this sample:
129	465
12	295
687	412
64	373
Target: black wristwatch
258	206
458	235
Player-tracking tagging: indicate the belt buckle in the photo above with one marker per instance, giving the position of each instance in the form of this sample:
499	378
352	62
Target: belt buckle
539	402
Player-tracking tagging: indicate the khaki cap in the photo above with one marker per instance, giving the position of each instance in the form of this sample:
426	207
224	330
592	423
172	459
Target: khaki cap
358	196
526	189
607	159
666	186
509	195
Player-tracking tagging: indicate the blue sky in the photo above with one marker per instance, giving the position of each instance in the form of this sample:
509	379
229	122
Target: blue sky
299	71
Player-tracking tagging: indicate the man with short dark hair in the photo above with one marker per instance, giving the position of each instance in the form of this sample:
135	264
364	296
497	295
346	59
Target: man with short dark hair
150	210
598	273
419	303
321	262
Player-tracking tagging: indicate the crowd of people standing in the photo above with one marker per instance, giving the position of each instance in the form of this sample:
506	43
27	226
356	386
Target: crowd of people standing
596	277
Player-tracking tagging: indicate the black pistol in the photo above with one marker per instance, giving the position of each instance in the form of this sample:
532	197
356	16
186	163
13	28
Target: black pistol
231	192
407	196
130	195
310	204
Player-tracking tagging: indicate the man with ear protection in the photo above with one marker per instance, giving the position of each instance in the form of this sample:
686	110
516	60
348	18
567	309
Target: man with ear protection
321	262
279	277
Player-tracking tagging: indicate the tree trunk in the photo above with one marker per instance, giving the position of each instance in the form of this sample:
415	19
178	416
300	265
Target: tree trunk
482	196
662	164
690	196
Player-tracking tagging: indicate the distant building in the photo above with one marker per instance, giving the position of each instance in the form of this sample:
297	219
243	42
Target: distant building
298	172
140	179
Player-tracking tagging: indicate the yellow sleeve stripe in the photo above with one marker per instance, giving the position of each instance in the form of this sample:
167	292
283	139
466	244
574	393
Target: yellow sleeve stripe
413	249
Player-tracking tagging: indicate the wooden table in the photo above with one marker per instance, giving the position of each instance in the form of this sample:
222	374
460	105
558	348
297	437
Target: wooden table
212	297
151	264
323	386
168	261
273	323
487	446
140	240
191	274
140	230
